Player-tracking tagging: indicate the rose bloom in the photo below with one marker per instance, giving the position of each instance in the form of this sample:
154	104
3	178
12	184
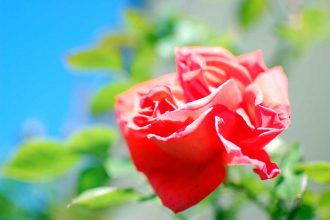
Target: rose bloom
184	128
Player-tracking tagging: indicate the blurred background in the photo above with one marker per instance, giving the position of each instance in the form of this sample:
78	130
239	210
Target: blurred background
56	71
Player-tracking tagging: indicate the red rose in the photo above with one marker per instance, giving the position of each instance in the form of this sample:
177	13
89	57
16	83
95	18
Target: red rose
183	128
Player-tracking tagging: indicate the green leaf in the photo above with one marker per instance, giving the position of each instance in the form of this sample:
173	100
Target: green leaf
117	41
324	204
137	21
316	171
250	11
120	167
105	196
292	187
305	212
92	177
310	25
104	99
99	58
142	64
39	160
290	160
93	141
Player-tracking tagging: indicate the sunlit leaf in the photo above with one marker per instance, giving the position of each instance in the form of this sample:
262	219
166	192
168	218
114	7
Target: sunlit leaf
39	160
92	141
316	171
99	58
105	196
250	11
104	99
92	177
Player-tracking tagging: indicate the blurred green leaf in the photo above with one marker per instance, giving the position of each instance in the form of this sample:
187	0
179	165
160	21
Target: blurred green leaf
310	197
120	167
141	67
93	141
316	171
292	187
102	58
39	160
137	22
305	212
253	185
323	205
291	159
310	25
105	196
116	41
250	11
104	99
92	177
292	184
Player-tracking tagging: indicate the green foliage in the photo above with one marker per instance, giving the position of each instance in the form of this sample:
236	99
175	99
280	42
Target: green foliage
92	177
316	171
250	11
120	167
323	205
310	25
140	67
105	196
292	184
138	23
290	159
95	141
291	187
39	160
104	99
102	58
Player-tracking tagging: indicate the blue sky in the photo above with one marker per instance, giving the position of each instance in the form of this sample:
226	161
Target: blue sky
35	85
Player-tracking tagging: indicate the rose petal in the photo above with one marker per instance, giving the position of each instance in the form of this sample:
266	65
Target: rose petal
273	85
169	123
126	101
232	69
179	185
253	62
236	155
190	145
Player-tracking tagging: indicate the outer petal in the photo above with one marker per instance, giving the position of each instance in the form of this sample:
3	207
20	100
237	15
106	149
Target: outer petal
178	183
181	186
266	100
253	62
237	155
